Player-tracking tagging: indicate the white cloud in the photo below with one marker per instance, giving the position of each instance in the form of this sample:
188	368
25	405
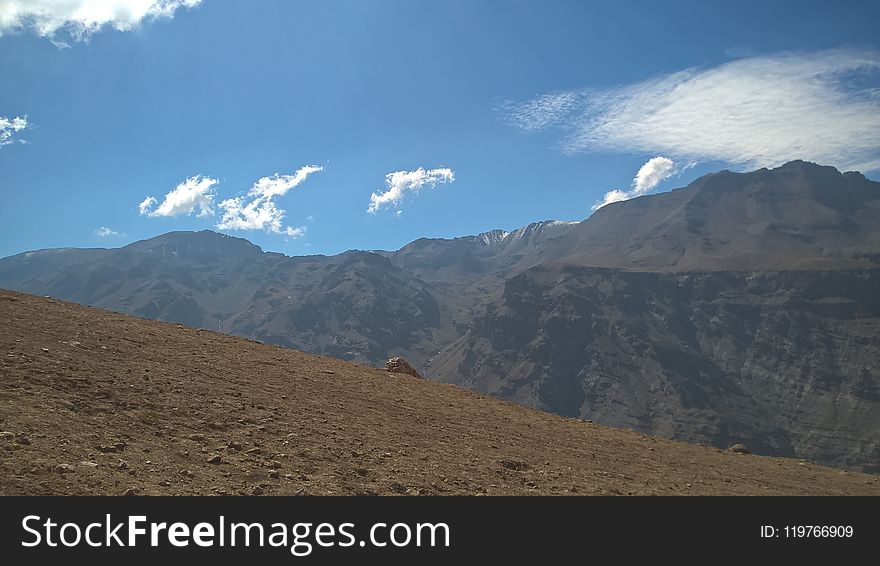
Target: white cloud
257	209
11	126
652	173
105	232
80	18
146	204
614	195
755	112
194	193
277	185
399	182
295	232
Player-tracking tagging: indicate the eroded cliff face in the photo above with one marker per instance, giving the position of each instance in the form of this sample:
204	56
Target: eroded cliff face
782	361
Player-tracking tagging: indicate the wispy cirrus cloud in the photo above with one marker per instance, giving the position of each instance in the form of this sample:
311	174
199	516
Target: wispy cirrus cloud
78	19
257	210
195	193
9	127
398	183
756	112
652	173
540	112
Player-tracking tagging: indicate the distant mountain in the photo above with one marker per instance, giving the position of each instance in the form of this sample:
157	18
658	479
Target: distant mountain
187	277
742	308
798	216
355	306
490	254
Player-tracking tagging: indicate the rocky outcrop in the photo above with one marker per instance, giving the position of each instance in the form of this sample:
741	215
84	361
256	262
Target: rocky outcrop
399	365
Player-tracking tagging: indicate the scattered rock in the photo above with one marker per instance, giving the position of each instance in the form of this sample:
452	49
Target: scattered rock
89	464
274	474
131	491
63	468
739	449
116	447
215	459
197	437
399	365
44	349
257	490
397	487
514	465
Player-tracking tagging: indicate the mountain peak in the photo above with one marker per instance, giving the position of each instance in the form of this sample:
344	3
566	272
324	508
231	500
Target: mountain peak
796	216
204	243
802	164
545	228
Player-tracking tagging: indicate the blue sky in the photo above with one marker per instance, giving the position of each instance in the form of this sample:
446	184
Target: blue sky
501	113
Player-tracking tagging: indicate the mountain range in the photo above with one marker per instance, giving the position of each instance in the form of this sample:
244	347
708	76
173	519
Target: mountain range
743	308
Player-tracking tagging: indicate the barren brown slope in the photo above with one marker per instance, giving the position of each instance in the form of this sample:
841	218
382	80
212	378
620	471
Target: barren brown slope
95	402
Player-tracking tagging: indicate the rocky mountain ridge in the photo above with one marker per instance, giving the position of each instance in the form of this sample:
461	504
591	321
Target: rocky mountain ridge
742	308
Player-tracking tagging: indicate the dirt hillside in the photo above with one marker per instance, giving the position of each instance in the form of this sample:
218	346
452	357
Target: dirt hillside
93	402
